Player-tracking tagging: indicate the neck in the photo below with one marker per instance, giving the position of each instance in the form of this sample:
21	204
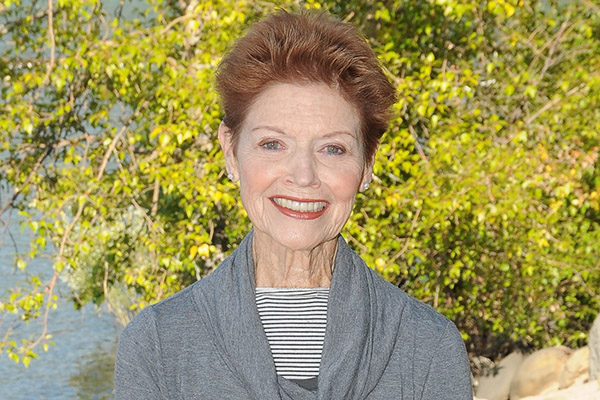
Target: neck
279	266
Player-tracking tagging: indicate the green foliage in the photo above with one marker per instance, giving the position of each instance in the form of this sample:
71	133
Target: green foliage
486	199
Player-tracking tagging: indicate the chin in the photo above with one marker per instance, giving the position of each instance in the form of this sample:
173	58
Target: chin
298	241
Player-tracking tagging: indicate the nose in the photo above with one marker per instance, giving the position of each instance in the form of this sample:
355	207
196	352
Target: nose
303	169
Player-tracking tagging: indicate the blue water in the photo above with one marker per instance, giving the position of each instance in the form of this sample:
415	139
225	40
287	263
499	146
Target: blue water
79	365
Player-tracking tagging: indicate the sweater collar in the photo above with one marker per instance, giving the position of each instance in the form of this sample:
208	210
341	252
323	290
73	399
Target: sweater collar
359	338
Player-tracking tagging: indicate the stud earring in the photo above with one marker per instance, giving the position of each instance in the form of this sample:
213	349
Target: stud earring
365	185
230	176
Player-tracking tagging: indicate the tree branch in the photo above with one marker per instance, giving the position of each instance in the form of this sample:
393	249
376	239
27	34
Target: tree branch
50	66
590	5
551	104
111	148
175	21
52	284
407	240
18	191
116	139
155	197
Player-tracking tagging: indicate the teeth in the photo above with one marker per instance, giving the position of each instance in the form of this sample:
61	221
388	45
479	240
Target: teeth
301	206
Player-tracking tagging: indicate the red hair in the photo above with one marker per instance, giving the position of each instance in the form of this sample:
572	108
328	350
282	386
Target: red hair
306	48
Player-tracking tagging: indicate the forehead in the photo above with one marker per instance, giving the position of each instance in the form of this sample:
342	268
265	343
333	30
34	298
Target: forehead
311	108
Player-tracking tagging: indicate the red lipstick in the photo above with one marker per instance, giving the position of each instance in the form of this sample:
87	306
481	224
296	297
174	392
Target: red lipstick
305	215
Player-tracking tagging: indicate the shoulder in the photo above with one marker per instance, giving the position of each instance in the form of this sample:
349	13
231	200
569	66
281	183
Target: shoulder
429	344
179	312
416	316
429	320
395	300
147	324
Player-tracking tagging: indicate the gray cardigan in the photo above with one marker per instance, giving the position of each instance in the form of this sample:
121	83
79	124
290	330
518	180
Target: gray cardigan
207	342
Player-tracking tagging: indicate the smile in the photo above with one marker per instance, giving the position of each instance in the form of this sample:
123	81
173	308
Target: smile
300	206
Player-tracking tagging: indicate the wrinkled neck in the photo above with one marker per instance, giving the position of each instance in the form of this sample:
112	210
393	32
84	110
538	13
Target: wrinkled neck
278	266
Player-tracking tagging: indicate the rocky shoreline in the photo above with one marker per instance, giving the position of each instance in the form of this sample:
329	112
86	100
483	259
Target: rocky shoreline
554	373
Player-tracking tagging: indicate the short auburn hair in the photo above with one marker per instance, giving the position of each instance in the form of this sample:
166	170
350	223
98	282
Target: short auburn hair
304	48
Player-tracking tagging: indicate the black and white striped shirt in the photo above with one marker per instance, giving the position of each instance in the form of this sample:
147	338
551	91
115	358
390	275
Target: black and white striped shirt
294	320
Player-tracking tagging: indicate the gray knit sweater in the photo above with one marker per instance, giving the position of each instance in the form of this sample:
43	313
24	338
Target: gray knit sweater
207	342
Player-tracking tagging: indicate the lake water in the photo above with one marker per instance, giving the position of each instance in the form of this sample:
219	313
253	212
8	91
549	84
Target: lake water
80	364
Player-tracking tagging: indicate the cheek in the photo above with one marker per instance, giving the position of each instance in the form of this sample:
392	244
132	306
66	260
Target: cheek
255	178
344	186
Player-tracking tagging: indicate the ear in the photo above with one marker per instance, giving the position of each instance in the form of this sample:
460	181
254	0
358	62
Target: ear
367	172
225	139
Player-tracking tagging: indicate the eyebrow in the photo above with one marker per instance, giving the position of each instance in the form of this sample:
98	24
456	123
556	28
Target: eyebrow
280	131
268	127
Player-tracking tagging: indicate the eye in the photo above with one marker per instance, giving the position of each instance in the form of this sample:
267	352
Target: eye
334	150
271	145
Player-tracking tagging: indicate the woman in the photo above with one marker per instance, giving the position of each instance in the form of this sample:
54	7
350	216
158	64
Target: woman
294	313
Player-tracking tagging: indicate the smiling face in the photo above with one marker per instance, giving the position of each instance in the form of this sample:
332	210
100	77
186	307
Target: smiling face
300	162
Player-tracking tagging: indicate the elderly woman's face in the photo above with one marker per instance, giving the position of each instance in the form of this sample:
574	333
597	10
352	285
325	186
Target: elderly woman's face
300	162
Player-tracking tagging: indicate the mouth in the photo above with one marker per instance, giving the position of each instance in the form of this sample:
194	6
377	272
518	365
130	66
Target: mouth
300	206
299	209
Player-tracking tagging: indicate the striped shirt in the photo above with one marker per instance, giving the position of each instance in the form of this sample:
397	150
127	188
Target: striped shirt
294	321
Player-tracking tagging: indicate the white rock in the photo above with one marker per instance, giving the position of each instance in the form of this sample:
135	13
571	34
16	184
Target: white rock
576	369
594	345
496	385
539	372
588	391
